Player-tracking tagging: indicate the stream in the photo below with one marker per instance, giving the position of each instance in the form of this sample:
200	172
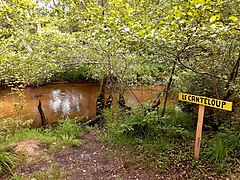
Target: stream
66	100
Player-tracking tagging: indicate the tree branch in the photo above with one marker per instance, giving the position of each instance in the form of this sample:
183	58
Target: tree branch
195	71
232	77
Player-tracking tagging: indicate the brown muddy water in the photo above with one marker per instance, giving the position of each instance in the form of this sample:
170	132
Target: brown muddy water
66	100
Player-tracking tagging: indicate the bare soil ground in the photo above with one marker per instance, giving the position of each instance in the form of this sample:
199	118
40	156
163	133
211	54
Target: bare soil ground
90	161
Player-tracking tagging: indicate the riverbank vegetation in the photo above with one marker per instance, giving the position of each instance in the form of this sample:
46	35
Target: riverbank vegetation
189	46
14	132
144	140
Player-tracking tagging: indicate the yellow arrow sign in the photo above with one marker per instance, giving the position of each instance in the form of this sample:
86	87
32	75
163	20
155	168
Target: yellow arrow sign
216	103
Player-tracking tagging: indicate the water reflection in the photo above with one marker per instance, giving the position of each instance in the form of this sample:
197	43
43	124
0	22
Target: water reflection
67	102
131	100
55	102
76	102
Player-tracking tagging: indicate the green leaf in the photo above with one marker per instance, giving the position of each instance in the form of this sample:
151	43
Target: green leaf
233	18
189	13
213	19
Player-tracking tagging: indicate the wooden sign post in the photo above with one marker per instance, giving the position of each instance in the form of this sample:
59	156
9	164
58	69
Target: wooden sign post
203	101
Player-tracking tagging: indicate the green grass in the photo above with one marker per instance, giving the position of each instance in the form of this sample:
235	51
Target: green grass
223	146
67	133
7	162
219	150
25	134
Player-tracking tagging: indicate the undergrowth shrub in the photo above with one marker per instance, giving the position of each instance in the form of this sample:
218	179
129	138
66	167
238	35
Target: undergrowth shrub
177	124
175	117
140	124
143	124
12	125
79	72
145	138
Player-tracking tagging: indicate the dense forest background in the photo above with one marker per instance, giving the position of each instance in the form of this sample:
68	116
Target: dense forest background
190	46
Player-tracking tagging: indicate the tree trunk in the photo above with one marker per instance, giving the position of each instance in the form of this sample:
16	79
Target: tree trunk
167	89
43	119
121	102
100	100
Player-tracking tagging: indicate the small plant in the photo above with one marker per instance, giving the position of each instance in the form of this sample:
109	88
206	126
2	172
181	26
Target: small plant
12	125
219	150
68	132
7	162
222	146
20	103
67	127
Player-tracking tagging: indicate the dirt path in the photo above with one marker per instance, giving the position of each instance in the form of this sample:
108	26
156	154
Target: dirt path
90	161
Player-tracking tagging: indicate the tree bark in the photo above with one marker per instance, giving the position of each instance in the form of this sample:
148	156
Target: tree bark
100	100
43	119
167	89
121	102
